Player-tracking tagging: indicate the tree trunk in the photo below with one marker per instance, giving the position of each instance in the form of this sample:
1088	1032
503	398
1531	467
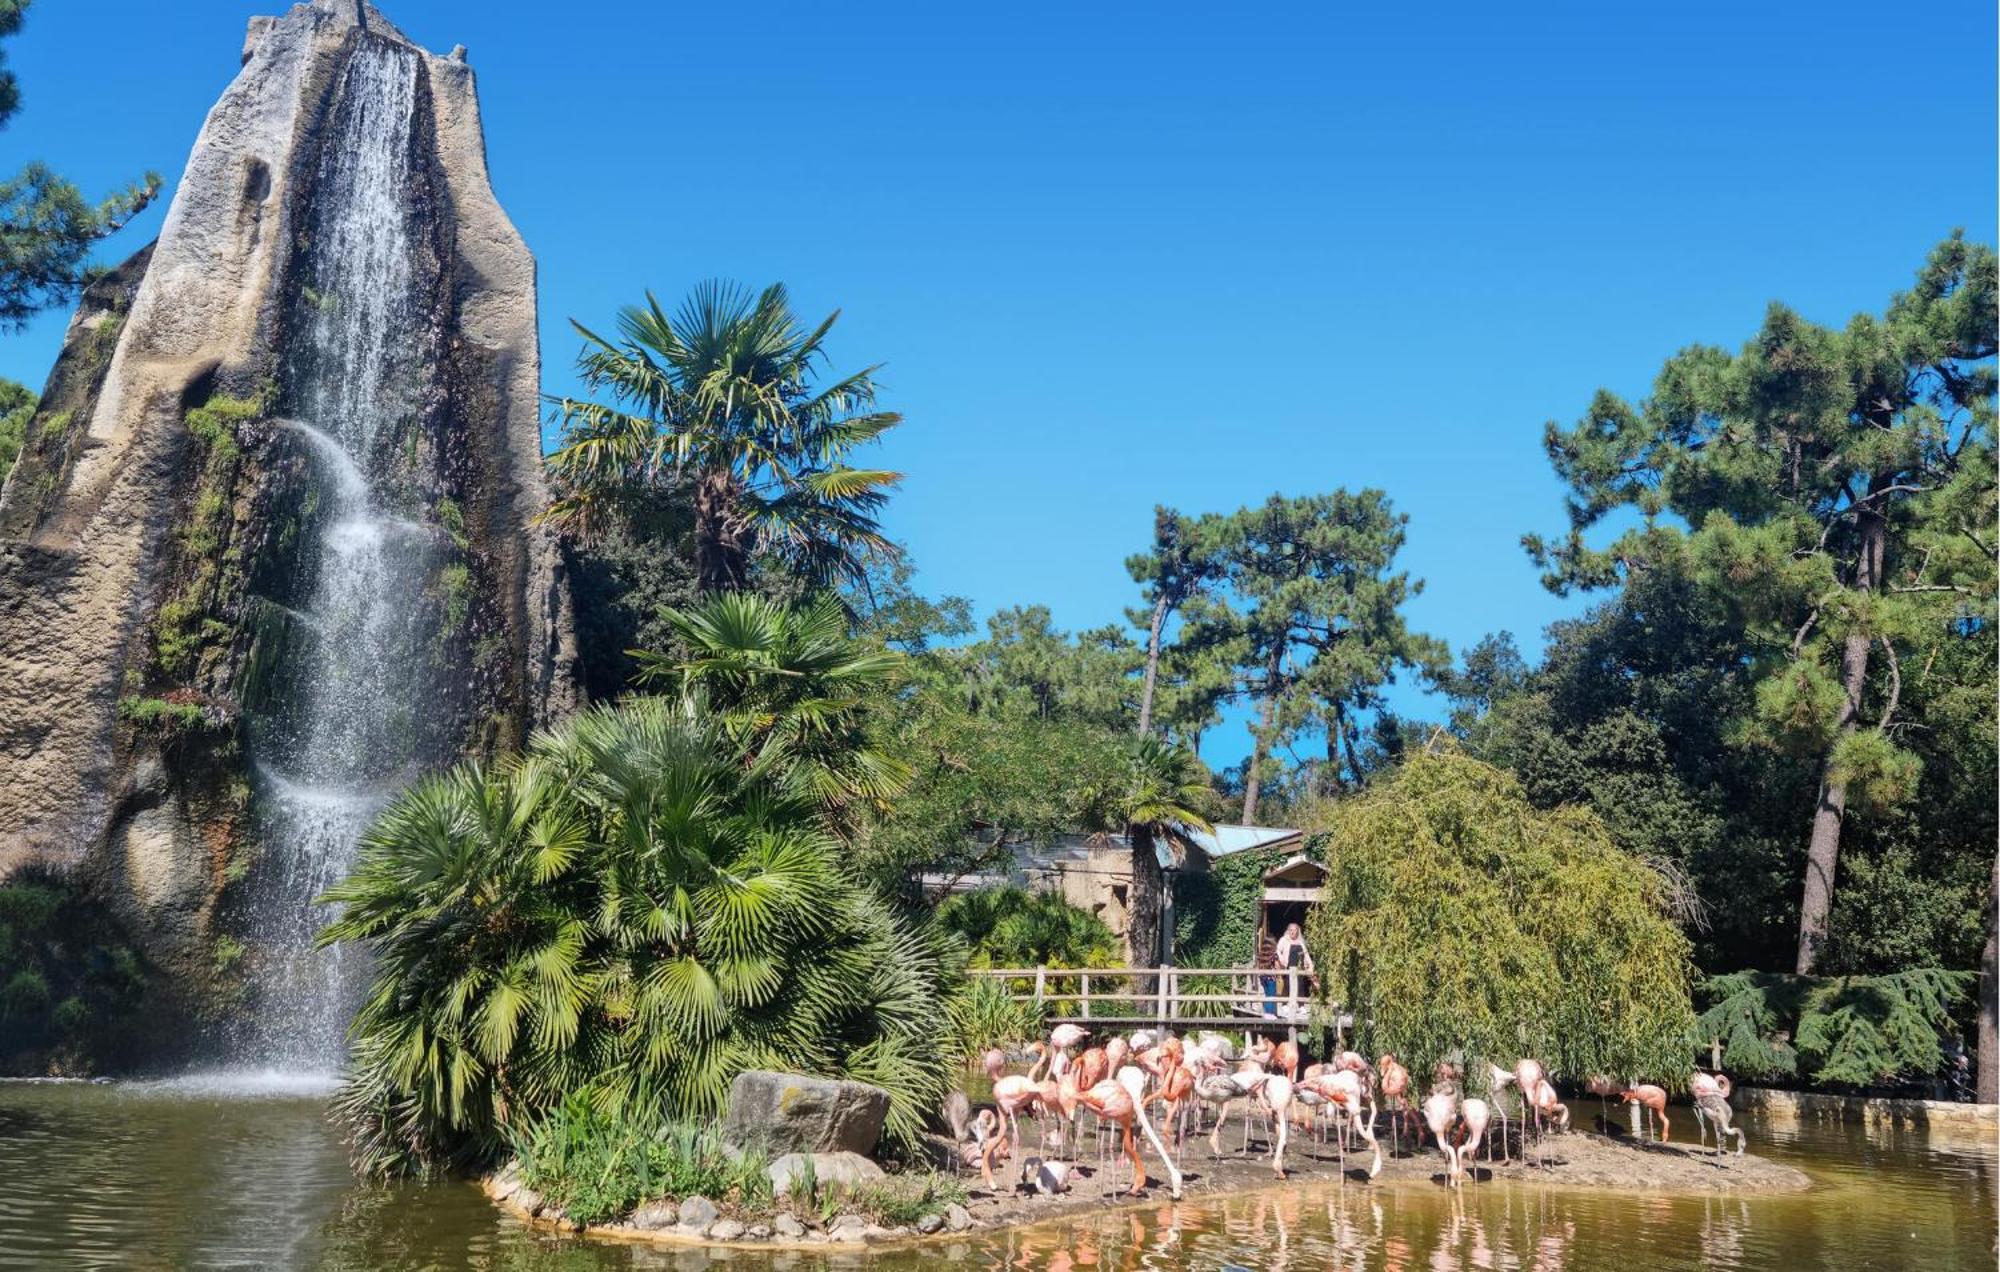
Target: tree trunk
1253	780
1142	911
721	550
1823	850
1989	999
1152	667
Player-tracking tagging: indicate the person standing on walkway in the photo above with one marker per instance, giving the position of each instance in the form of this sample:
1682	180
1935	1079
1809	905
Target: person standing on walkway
1267	971
1294	960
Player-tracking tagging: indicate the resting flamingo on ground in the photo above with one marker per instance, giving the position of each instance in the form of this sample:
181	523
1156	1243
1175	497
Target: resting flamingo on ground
1711	1104
1654	1100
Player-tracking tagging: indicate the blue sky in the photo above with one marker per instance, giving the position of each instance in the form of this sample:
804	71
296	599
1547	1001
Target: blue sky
1116	255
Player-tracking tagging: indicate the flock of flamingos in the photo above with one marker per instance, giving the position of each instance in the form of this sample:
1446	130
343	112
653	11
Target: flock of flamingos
1118	1081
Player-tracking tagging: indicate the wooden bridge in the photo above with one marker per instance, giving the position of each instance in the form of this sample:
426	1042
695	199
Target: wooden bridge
1225	999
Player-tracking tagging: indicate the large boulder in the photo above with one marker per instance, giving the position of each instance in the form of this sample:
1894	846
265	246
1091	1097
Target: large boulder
780	1113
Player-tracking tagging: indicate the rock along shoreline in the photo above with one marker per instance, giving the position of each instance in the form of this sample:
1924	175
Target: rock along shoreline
1581	1160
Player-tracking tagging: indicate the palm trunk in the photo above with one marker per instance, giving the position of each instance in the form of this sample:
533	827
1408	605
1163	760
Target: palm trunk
1823	850
721	552
1152	667
1989	999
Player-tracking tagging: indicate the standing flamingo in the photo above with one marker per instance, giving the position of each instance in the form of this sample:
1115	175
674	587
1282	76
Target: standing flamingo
1112	1101
1711	1104
1275	1093
1065	1038
1344	1092
1014	1094
1604	1089
1222	1090
1475	1114
1285	1060
1654	1100
1441	1115
1395	1085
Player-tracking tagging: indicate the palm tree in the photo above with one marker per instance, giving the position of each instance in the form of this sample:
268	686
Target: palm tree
631	911
792	688
721	397
1165	798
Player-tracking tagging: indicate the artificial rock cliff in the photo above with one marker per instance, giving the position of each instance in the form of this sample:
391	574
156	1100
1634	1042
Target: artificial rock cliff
166	532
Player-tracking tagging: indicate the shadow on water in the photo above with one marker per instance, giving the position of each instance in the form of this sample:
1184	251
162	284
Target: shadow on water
242	1171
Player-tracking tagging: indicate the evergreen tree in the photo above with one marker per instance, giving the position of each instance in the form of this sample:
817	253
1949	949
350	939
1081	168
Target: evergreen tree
1838	488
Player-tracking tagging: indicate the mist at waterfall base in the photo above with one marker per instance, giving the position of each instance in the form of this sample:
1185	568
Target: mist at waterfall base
344	728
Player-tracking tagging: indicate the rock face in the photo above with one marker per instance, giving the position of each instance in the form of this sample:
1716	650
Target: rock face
785	1113
158	537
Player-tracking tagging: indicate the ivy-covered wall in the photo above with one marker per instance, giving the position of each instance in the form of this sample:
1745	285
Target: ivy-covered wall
1215	912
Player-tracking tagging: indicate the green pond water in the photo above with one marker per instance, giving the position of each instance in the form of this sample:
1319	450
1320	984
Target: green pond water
245	1173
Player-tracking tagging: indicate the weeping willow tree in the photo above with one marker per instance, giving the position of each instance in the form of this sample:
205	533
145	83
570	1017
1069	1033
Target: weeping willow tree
1462	923
635	909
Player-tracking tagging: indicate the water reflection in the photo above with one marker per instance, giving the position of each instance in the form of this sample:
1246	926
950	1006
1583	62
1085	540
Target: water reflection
171	1177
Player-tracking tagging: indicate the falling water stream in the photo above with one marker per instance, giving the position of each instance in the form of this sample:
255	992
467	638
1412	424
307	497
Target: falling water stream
342	733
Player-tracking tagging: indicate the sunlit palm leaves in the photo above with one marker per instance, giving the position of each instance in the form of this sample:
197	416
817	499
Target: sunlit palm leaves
628	908
791	689
721	396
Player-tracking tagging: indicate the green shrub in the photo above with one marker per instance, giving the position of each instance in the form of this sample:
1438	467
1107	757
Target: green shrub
631	907
598	1166
160	715
456	581
70	987
984	1013
1459	918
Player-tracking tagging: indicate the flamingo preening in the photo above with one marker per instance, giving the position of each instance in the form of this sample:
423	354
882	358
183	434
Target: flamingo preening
1652	1099
1441	1115
1344	1092
1395	1084
1474	1113
1711	1104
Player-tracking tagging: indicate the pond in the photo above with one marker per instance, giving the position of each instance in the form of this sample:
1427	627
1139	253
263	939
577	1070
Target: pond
243	1172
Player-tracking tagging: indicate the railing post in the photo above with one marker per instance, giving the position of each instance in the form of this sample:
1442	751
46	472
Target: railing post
1040	973
1086	995
1162	988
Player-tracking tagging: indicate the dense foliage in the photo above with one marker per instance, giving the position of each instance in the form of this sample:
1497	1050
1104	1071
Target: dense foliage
1462	922
71	986
1012	927
1834	490
637	906
1843	1031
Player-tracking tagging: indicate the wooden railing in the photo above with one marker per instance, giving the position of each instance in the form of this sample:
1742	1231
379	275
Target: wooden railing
1161	995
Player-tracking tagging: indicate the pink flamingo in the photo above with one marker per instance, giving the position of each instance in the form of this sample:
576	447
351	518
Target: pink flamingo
1711	1104
1344	1092
1395	1084
1604	1089
1275	1093
1014	1094
1285	1060
1475	1114
1113	1101
1654	1100
1441	1115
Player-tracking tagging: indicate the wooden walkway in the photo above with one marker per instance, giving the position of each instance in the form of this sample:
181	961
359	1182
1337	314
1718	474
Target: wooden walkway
1183	999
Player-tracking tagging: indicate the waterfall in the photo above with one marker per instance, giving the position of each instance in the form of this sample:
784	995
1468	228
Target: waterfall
345	729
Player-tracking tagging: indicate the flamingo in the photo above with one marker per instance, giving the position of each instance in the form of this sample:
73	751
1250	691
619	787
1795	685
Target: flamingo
1013	1094
1113	1101
1441	1114
1222	1090
1275	1091
1065	1038
1176	1085
1395	1084
1604	1089
1475	1115
1285	1060
1711	1104
1548	1107
1654	1100
1344	1091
